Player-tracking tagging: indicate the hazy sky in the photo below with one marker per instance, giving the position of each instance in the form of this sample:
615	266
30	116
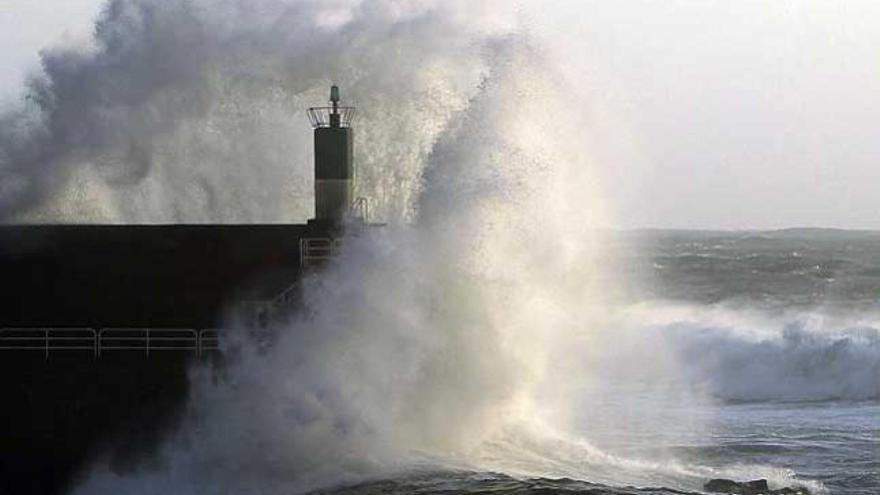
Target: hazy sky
742	113
712	114
26	26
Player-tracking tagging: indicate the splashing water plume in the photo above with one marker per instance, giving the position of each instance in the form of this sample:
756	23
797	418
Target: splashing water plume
424	339
191	110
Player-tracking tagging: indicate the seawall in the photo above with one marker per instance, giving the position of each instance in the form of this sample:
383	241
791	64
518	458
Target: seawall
63	411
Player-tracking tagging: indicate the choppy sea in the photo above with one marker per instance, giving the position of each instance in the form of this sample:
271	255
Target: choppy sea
736	355
775	338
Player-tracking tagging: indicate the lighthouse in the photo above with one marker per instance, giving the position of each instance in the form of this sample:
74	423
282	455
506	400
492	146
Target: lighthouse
334	183
334	170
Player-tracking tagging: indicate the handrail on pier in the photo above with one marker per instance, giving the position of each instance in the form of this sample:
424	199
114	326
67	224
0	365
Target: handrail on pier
48	339
101	341
316	250
147	339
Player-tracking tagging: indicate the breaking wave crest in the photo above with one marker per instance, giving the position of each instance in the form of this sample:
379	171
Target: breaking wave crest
740	355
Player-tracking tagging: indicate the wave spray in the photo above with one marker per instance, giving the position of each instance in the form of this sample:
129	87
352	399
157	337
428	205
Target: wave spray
427	340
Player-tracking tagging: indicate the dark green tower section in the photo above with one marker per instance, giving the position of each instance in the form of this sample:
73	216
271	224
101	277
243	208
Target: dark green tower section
334	151
333	172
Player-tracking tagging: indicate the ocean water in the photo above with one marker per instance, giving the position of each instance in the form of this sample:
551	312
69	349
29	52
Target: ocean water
781	331
736	355
776	342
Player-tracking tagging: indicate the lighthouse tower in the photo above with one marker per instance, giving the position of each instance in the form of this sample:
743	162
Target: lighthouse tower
334	170
334	182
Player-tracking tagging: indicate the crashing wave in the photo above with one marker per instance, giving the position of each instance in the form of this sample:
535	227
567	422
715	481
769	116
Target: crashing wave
743	356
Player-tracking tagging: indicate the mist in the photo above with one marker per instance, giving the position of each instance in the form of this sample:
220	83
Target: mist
424	345
193	111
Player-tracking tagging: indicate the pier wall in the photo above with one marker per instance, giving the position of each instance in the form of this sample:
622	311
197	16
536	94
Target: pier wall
63	411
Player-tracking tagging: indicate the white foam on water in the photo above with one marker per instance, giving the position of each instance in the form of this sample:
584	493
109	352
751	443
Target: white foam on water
750	355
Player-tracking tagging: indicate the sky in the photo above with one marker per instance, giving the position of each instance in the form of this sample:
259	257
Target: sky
709	114
27	26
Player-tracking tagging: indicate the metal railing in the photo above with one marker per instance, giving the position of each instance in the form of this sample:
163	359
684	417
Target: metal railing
286	297
360	209
320	116
99	342
317	250
48	339
209	340
147	340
